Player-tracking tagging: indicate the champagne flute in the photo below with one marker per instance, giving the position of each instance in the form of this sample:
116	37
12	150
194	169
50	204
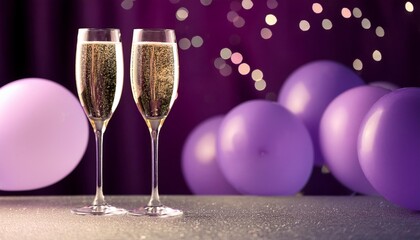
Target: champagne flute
99	79
154	83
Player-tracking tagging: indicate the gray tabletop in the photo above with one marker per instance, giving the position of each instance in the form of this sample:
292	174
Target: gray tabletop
211	217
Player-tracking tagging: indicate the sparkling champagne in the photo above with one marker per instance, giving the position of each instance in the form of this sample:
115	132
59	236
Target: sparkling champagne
99	78
154	78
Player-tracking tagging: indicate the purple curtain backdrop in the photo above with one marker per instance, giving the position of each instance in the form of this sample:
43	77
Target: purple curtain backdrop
38	39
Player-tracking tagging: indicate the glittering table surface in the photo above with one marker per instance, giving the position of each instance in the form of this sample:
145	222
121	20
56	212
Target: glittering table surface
211	217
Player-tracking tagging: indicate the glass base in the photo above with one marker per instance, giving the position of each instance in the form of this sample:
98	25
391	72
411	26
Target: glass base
156	211
99	210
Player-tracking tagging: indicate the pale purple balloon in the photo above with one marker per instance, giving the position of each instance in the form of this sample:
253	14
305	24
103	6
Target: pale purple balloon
309	90
339	131
199	165
263	149
389	147
43	134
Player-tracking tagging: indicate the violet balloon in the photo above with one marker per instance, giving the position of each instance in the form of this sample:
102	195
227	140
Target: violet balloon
389	151
199	164
43	134
309	90
339	131
263	149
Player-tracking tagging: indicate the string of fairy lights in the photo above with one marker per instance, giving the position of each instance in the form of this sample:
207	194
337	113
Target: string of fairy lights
228	61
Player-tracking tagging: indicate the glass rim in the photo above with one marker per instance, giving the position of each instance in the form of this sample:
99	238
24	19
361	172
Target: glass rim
154	29
99	29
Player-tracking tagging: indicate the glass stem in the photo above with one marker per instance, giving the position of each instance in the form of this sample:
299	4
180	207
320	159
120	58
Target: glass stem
99	197
154	133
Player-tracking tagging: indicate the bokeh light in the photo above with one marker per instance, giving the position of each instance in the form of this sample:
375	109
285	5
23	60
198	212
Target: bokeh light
244	69
225	53
197	41
182	14
231	15
345	12
247	4
205	2
377	55
257	75
266	33
327	24
366	23
271	96
409	7
357	13
219	63
184	43
379	31
260	85
270	19
272	4
317	8
357	64
238	21
236	58
127	4
226	70
325	170
304	25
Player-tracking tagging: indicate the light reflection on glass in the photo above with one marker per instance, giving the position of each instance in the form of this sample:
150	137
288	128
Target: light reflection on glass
380	32
182	14
366	23
357	64
317	8
377	55
244	68
270	19
266	33
327	24
304	25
